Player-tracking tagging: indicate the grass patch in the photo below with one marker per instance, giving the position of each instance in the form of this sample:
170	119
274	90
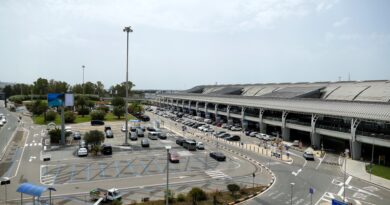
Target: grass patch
222	197
79	119
379	170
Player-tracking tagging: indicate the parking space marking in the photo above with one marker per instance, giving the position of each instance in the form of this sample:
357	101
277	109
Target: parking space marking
116	169
88	172
216	174
72	173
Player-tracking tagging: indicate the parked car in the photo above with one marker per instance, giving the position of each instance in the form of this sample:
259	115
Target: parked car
233	138
81	152
162	136
97	122
173	157
153	135
180	141
295	143
77	135
140	132
109	133
190	145
145	143
106	149
200	145
253	134
107	128
308	154
82	144
234	128
224	135
133	136
219	133
150	129
219	156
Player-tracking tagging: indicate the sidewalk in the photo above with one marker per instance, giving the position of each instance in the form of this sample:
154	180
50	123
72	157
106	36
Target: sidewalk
358	169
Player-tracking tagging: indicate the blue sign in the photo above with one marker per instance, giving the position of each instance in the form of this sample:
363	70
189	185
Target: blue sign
55	99
336	202
311	190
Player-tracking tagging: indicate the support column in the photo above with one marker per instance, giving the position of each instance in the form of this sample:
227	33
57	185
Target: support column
206	112
216	113
228	115
244	124
262	125
356	147
189	107
197	108
182	105
285	130
314	137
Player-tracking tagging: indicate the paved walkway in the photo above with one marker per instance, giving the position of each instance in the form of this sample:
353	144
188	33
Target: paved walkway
358	169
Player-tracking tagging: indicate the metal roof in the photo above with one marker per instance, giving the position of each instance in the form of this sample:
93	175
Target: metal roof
31	189
349	109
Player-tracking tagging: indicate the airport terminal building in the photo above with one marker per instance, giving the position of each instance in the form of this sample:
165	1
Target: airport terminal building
352	115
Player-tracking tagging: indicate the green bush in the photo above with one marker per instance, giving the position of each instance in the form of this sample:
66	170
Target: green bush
69	117
51	116
97	115
55	135
181	197
233	188
197	194
83	111
119	111
104	108
39	107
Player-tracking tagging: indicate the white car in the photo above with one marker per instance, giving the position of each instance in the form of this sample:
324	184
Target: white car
235	128
4	119
82	152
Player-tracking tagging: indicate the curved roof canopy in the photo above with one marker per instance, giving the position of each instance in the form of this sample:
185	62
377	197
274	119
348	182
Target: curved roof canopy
31	189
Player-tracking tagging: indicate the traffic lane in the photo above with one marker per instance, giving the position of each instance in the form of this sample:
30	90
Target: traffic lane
7	130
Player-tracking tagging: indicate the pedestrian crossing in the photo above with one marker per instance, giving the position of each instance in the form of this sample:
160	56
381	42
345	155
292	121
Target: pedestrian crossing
217	174
33	144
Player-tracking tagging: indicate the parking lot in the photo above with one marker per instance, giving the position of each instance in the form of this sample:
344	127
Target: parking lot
132	161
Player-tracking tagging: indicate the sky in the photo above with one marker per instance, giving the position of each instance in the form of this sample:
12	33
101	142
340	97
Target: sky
178	44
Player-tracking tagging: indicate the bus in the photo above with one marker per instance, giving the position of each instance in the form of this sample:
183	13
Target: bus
190	145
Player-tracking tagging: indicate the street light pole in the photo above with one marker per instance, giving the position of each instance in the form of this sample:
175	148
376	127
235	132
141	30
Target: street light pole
127	30
292	186
167	186
345	171
83	66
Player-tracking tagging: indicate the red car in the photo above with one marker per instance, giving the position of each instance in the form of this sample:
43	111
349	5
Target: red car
173	157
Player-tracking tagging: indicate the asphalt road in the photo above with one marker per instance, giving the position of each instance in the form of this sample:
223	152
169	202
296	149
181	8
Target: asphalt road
138	172
325	179
7	130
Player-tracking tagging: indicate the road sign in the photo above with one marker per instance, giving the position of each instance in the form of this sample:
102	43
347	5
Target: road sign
253	174
311	190
336	202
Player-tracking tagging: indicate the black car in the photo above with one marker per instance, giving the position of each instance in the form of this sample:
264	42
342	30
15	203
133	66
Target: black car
151	129
219	156
77	135
180	141
97	122
145	118
162	136
233	138
106	149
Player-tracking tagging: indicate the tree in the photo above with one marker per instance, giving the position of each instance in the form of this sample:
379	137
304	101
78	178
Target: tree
120	89
135	108
119	111
55	135
51	115
233	188
81	102
41	86
100	89
118	101
39	107
69	117
57	86
97	115
94	137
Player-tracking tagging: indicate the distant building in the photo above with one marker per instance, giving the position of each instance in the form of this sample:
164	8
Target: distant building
2	95
352	115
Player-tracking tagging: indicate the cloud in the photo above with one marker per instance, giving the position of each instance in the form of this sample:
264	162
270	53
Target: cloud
341	22
189	15
326	5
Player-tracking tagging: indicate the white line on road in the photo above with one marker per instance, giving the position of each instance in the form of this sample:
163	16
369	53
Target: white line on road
348	180
340	193
319	164
296	173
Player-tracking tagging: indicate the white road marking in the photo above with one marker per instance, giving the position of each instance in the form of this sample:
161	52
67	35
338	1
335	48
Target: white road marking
296	173
340	193
319	164
32	158
348	180
216	174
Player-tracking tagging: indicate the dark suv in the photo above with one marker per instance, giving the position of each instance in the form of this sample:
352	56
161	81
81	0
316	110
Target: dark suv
106	149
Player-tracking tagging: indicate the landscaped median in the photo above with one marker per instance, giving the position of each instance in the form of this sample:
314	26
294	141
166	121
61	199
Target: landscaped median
379	170
233	195
79	119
